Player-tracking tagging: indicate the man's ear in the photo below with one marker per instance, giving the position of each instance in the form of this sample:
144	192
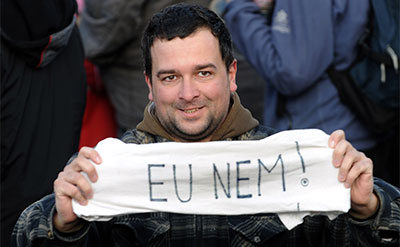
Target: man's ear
232	76
149	85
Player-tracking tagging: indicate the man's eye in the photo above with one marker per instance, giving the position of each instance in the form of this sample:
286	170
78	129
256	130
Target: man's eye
204	73
169	78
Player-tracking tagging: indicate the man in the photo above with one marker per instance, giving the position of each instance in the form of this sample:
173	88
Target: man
190	72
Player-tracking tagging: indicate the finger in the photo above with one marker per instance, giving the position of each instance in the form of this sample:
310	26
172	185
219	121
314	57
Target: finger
80	181
336	137
83	164
63	189
351	158
362	166
339	152
87	167
91	154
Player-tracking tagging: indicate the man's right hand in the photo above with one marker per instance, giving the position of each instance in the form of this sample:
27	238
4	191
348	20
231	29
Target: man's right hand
71	184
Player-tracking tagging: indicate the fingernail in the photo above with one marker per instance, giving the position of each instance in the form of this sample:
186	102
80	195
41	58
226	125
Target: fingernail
346	185
84	202
341	178
336	163
94	178
332	144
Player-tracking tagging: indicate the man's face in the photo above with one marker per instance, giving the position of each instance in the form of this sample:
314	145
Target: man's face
190	85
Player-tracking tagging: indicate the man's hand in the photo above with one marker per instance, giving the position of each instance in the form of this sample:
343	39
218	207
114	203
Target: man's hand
355	171
71	184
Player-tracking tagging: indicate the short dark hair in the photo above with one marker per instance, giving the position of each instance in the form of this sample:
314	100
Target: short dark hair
181	20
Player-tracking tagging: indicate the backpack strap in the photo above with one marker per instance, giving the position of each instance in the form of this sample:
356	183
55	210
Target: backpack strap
389	58
385	23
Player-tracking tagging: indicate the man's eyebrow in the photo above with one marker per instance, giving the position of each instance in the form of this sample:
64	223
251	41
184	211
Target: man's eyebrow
197	67
165	71
204	66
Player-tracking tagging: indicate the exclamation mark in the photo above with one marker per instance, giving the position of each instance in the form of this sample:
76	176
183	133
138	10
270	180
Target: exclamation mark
301	157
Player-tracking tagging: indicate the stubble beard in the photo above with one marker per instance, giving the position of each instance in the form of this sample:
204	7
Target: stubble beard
184	132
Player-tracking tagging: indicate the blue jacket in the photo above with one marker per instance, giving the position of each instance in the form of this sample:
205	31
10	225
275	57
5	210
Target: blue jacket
293	52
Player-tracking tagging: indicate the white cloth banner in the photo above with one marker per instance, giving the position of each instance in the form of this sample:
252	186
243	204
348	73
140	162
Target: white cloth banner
289	173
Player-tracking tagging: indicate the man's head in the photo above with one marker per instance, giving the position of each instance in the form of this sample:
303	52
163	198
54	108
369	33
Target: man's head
181	20
190	70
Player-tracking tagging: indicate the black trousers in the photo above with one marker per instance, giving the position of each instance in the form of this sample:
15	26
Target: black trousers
41	117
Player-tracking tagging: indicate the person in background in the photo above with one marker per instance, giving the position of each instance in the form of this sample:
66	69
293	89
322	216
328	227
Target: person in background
43	88
292	44
98	119
190	72
250	87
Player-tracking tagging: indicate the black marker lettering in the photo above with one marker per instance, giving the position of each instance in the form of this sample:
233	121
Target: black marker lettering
190	183
154	183
216	173
301	157
260	163
238	179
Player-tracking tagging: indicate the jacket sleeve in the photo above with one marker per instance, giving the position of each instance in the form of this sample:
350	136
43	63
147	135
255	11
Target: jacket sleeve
295	49
106	26
35	227
384	228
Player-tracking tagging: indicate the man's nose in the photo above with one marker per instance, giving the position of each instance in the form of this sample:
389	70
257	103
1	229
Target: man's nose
189	89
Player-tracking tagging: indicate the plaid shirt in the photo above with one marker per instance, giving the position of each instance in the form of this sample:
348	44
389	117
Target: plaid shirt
35	225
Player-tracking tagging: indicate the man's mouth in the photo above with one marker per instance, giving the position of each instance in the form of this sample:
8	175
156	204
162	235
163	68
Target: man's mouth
191	110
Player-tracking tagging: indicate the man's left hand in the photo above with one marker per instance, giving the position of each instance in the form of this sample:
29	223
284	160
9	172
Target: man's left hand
355	171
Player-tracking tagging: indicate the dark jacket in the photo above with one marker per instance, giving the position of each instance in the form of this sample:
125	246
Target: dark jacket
43	93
